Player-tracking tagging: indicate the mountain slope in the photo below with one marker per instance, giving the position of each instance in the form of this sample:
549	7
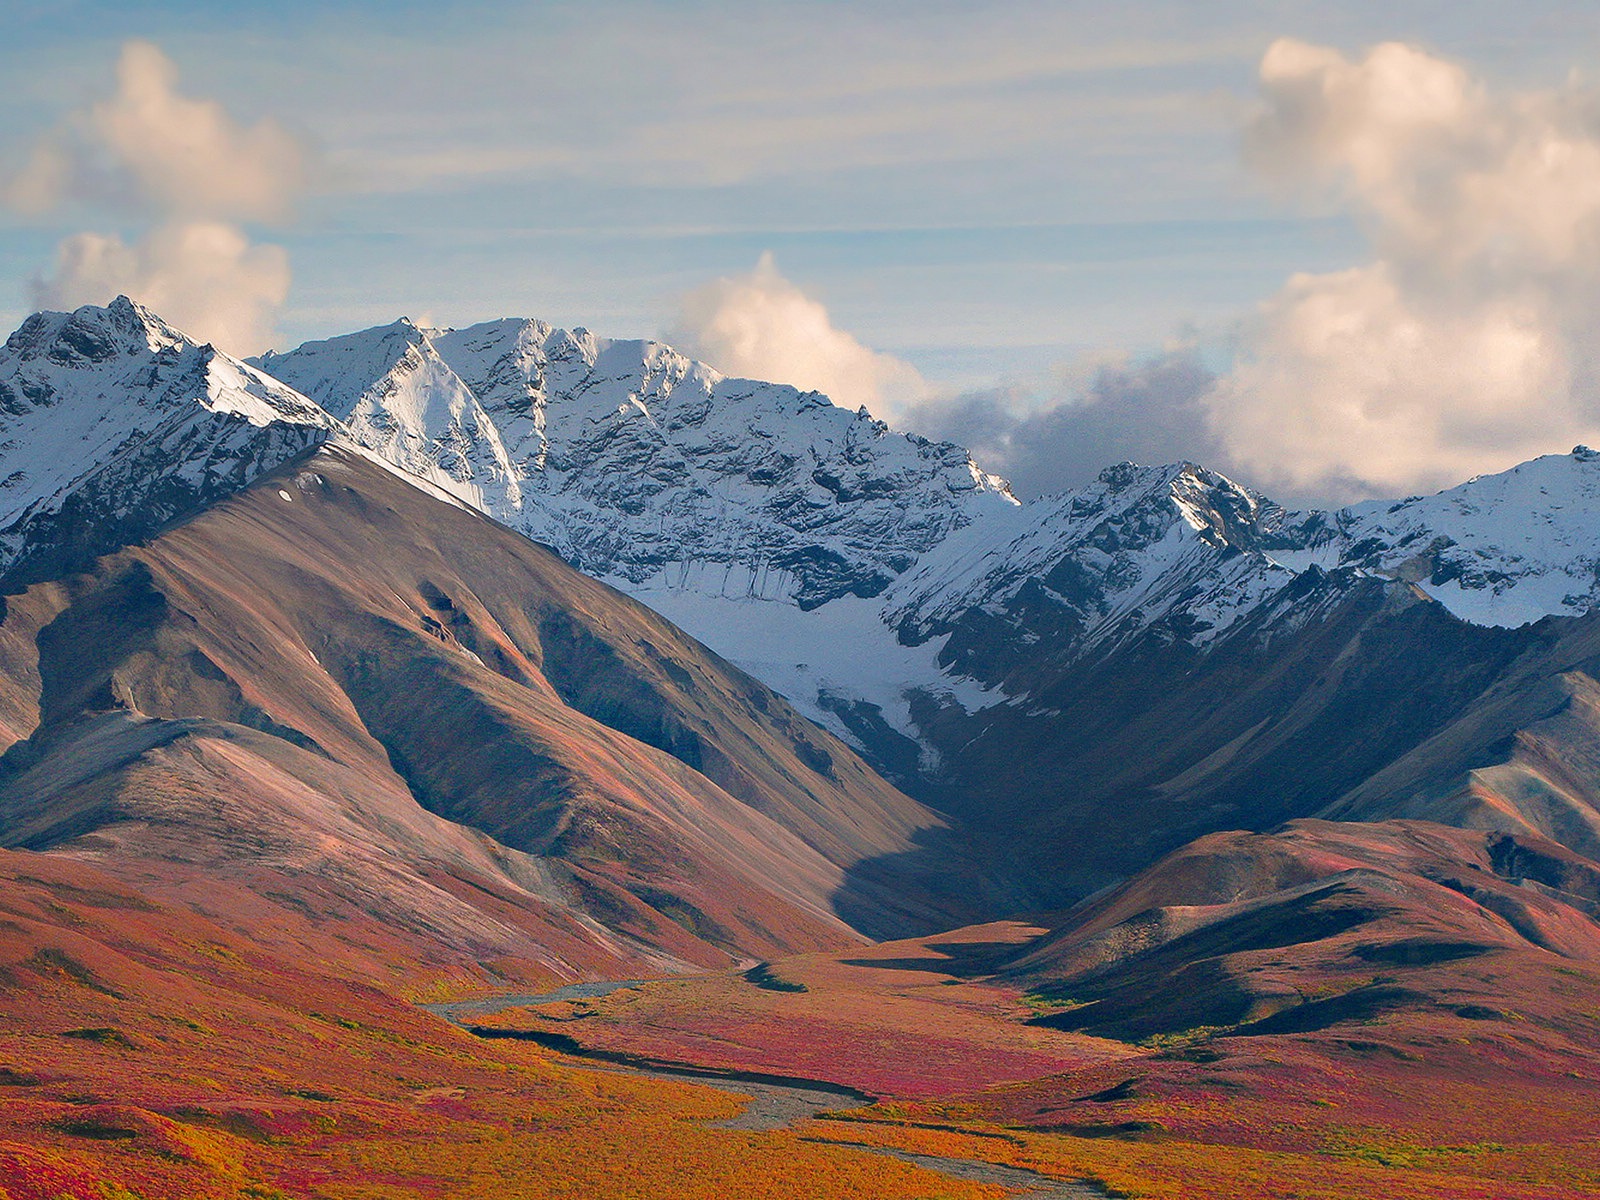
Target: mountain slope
1523	758
1167	654
1281	932
1190	548
1159	655
270	688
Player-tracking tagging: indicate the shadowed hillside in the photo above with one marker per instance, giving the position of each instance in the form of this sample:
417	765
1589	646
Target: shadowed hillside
347	695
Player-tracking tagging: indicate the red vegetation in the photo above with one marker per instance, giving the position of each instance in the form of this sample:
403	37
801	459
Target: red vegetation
147	1052
1338	1011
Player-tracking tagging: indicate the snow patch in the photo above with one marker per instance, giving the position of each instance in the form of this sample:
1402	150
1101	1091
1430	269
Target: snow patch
842	649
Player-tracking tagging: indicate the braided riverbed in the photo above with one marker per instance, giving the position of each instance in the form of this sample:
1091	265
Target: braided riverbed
776	1102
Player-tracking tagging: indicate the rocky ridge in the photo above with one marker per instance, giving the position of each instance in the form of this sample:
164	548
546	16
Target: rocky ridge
640	466
114	423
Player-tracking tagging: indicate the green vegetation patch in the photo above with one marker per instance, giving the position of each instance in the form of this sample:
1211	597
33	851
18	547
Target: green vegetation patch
53	963
761	975
97	1129
105	1035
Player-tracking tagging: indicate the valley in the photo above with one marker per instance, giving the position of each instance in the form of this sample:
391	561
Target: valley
453	763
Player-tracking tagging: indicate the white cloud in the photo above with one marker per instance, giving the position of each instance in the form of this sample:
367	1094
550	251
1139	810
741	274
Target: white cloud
205	278
1463	346
148	145
760	325
150	150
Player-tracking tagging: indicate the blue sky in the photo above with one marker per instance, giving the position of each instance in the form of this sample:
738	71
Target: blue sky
991	192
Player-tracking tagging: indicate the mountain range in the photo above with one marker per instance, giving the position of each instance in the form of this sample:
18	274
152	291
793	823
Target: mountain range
512	655
885	584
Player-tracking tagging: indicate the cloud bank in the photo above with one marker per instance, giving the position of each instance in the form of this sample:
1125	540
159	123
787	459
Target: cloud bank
196	173
1465	345
1149	410
1043	438
760	325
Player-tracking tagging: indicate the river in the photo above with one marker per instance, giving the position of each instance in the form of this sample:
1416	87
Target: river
775	1102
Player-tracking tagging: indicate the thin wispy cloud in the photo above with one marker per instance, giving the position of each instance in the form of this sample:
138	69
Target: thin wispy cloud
693	96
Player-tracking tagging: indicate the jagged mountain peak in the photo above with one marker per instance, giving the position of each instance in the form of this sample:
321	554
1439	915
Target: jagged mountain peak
1185	554
112	422
640	464
1134	548
93	334
1221	511
121	358
367	354
1502	549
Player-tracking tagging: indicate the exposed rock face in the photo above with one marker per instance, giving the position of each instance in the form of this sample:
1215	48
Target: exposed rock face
114	423
637	464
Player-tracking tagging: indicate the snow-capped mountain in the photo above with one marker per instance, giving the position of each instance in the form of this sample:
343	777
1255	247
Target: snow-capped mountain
853	568
397	398
114	423
1502	549
644	467
1170	555
1139	545
1192	553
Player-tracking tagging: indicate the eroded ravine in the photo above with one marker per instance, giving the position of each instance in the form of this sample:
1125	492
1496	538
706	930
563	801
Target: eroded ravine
774	1103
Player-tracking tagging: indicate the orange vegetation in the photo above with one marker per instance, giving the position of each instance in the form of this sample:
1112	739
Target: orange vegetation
148	1053
890	1020
1421	1103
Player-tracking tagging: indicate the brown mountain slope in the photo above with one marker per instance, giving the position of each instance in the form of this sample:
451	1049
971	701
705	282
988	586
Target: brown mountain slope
270	689
1523	757
1315	925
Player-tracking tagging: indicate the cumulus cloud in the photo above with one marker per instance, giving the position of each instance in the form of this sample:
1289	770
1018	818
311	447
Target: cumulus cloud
1148	409
760	325
1464	345
186	163
147	143
206	278
1043	437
